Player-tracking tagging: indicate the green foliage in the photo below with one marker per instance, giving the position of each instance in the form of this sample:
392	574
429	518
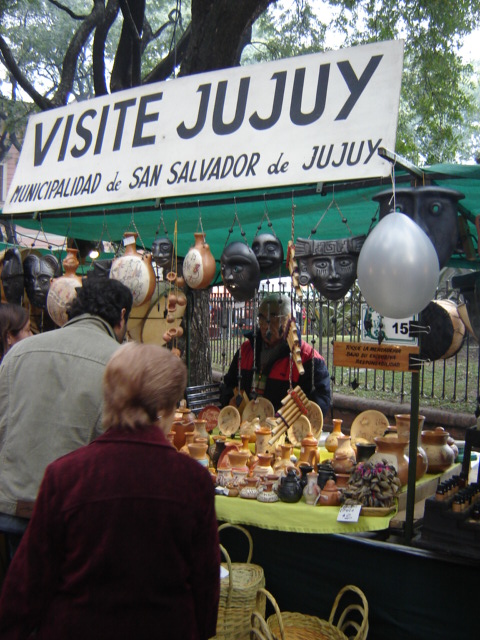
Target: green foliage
439	104
439	118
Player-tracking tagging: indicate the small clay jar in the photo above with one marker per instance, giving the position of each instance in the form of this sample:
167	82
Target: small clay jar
238	459
311	490
365	450
250	490
330	495
325	472
198	451
331	442
440	455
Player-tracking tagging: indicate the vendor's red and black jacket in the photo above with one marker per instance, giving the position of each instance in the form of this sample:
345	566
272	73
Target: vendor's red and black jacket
315	382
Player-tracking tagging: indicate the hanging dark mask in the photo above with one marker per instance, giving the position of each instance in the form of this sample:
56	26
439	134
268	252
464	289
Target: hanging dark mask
39	270
434	209
12	276
240	271
269	252
162	252
329	265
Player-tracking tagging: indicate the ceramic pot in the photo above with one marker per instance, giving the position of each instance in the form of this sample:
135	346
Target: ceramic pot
135	271
392	450
64	289
224	477
311	491
262	436
325	472
263	466
304	469
219	444
283	464
289	488
199	264
183	422
342	463
309	452
330	495
440	455
402	422
365	450
189	438
250	489
344	457
198	451
238	459
341	480
267	493
238	477
331	440
200	429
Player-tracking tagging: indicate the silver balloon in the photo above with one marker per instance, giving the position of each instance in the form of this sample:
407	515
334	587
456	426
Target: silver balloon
398	267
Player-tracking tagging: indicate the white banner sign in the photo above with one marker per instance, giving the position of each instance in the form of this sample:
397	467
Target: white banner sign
314	118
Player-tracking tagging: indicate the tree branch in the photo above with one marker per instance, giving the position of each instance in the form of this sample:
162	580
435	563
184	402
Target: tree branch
77	42
98	49
22	80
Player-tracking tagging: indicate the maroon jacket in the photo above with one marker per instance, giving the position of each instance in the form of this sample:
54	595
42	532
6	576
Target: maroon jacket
123	543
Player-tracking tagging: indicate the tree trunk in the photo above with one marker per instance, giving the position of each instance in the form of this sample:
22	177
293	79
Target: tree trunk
198	356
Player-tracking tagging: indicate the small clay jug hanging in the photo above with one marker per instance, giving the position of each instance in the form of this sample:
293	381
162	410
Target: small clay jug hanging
134	270
199	264
331	440
64	289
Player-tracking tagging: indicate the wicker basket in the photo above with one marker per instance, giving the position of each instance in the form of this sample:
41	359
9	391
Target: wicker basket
238	594
288	625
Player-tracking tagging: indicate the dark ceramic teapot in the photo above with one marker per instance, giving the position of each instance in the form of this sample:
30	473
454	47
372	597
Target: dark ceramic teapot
290	488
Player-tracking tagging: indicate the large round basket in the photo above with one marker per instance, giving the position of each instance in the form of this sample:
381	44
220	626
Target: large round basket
351	623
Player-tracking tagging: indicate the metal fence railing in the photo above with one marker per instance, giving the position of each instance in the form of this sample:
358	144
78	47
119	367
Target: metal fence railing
451	383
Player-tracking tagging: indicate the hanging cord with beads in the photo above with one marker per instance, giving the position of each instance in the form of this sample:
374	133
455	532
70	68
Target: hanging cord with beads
230	231
161	222
253	390
333	202
132	225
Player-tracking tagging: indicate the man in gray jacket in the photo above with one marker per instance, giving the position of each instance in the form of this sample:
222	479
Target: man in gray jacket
51	393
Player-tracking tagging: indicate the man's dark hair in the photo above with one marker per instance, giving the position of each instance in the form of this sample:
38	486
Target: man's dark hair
104	297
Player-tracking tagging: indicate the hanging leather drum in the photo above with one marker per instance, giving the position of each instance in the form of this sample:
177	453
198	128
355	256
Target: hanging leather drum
447	330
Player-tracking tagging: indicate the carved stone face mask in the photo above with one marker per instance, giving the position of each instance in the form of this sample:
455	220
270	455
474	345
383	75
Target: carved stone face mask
434	209
39	270
162	252
269	252
240	271
12	276
329	265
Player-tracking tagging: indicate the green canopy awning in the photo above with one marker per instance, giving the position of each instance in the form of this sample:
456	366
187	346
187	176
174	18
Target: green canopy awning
335	210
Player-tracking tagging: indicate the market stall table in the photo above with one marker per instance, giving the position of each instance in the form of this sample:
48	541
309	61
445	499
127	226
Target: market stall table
308	556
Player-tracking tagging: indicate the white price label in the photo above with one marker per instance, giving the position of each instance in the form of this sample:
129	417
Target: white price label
349	513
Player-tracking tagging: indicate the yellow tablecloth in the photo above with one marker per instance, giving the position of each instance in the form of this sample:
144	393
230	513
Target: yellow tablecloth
298	517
